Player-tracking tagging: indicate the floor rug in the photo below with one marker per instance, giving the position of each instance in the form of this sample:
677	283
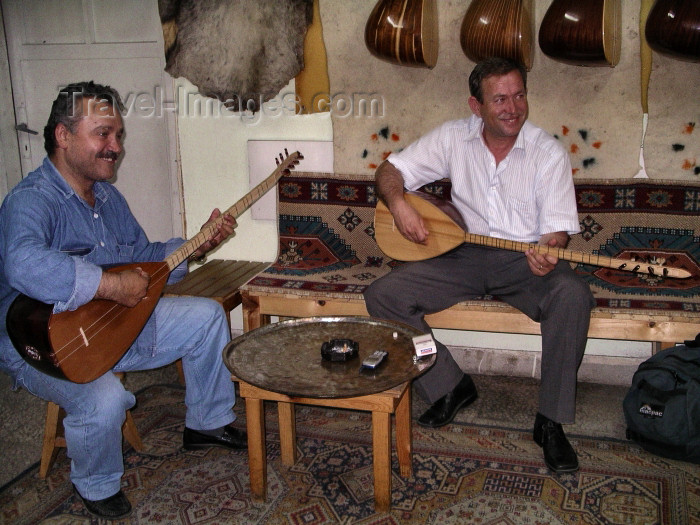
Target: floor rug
461	474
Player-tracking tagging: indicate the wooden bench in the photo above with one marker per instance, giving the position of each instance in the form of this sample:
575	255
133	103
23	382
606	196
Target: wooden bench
327	257
664	330
220	280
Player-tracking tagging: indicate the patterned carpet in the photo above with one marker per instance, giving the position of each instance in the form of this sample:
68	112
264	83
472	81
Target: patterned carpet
462	474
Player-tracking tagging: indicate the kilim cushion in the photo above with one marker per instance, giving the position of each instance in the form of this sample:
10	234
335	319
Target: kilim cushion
327	246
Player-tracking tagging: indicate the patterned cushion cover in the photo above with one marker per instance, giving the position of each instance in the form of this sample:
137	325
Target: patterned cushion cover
327	247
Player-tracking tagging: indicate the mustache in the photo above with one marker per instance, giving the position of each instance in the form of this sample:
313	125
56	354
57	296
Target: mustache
110	155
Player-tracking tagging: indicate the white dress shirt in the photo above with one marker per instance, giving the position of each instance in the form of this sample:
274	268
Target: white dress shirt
529	193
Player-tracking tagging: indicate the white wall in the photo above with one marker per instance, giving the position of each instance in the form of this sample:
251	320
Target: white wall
10	168
213	152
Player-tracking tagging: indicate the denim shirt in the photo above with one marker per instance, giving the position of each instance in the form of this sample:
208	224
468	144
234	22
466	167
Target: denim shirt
53	244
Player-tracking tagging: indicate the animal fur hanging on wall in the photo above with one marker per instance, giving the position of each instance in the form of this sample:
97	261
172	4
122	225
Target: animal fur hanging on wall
242	52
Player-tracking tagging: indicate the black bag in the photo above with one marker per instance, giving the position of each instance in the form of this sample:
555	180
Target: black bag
662	407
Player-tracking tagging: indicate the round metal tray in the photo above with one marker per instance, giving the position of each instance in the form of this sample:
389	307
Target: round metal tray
285	357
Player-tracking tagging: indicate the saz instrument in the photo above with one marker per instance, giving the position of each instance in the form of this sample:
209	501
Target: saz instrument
673	29
447	231
83	344
582	33
502	28
404	32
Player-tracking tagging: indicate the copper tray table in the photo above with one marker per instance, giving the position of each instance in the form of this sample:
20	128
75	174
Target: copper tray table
282	362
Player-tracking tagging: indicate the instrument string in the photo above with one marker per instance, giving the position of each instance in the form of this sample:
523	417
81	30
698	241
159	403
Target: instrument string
103	321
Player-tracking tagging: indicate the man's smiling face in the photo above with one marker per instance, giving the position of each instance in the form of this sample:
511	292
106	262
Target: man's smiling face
93	148
504	109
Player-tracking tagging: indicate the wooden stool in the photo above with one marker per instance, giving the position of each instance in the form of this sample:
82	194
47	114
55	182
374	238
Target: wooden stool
55	439
395	401
219	280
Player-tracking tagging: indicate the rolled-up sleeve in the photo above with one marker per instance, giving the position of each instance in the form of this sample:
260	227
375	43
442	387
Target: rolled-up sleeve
87	280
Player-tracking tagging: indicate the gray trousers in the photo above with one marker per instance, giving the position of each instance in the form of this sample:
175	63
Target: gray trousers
560	301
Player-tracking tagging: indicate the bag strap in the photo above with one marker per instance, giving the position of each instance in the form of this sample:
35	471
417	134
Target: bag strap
673	370
662	395
644	367
693	360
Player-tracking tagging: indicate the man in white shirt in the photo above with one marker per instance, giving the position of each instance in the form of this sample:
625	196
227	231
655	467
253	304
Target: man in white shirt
510	180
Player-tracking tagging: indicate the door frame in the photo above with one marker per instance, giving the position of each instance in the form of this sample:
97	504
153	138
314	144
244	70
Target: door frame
10	166
11	160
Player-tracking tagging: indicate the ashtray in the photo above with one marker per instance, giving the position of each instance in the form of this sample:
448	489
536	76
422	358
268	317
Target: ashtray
338	350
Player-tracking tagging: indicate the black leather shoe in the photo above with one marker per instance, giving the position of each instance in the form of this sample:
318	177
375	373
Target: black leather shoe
559	455
111	508
444	410
230	438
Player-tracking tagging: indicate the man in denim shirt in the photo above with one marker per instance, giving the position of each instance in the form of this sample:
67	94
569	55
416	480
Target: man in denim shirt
57	227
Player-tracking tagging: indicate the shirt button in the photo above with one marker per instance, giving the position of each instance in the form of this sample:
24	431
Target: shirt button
95	216
102	244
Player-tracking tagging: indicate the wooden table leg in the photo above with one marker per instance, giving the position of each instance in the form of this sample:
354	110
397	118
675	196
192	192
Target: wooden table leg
404	436
257	455
288	433
381	447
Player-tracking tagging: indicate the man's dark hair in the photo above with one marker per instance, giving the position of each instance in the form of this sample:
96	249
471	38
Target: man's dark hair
67	109
493	66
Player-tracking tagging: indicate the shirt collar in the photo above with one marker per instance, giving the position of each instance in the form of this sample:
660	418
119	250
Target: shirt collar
53	175
57	179
475	125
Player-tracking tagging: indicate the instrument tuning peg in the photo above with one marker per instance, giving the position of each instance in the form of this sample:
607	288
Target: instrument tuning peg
286	153
277	161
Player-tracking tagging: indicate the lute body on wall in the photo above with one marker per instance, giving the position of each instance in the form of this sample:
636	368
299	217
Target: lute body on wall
447	231
83	344
582	33
502	28
673	29
404	32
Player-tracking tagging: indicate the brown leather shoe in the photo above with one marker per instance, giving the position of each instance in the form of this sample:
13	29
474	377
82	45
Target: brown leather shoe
444	410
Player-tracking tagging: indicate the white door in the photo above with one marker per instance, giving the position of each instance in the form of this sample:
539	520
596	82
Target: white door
52	43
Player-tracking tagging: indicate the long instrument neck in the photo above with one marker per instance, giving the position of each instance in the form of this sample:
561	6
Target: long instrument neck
190	246
578	257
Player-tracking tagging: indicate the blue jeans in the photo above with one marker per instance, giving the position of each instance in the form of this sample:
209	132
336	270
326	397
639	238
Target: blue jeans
193	329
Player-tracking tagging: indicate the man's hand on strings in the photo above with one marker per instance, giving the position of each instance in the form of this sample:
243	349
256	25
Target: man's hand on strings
542	264
409	221
223	231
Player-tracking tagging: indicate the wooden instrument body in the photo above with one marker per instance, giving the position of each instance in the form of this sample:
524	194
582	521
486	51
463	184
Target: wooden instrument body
673	29
446	229
404	32
502	28
446	232
582	33
82	344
